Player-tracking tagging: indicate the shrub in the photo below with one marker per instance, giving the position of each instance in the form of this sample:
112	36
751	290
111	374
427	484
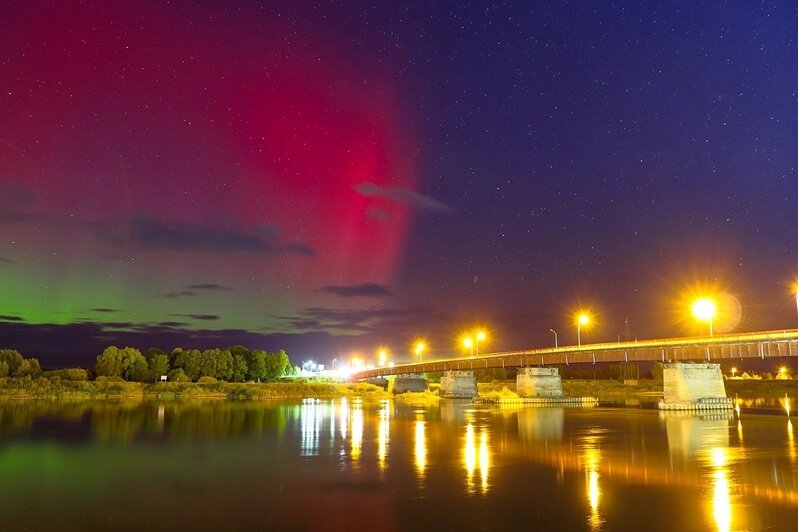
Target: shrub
206	380
178	375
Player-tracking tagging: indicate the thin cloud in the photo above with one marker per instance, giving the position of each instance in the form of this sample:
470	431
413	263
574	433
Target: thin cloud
204	317
208	286
402	195
148	233
358	290
180	293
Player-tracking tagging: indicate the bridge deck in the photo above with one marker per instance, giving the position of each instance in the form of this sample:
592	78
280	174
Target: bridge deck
768	344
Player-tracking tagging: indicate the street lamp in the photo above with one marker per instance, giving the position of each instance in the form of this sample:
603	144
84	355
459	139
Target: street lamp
383	356
581	319
478	338
468	343
556	342
704	310
420	347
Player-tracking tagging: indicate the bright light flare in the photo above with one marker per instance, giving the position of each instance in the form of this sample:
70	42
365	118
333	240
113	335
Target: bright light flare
704	309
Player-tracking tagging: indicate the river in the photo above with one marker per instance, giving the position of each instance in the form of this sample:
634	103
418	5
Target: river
348	465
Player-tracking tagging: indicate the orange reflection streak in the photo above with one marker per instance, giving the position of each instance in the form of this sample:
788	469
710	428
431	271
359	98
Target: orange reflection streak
470	457
421	446
484	463
343	420
383	435
721	498
592	461
357	431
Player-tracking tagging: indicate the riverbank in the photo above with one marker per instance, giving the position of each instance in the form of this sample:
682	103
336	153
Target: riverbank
603	390
108	389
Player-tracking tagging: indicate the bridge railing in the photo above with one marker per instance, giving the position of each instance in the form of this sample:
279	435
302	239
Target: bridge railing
691	348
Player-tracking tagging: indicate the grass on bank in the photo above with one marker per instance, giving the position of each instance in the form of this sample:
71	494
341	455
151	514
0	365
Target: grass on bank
110	389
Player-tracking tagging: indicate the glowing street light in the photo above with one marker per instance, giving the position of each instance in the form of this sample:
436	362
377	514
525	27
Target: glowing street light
478	338
581	319
383	356
420	347
468	343
704	309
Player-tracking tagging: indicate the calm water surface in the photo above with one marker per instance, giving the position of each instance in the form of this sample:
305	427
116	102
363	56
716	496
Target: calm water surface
338	464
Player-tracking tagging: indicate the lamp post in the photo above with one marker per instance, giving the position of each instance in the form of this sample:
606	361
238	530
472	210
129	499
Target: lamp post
556	342
478	338
420	346
582	319
704	310
468	343
795	289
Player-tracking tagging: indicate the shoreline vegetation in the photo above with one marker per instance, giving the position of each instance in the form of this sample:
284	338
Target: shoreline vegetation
238	373
604	390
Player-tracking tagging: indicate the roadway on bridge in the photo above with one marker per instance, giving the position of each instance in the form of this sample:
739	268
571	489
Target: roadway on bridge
764	344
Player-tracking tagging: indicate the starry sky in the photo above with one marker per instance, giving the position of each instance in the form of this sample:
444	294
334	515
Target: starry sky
328	178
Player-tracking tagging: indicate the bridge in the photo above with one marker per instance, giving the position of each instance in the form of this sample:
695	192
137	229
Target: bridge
689	384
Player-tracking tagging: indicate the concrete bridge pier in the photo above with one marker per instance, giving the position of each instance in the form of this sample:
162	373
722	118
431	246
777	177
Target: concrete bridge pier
412	382
693	387
539	383
458	385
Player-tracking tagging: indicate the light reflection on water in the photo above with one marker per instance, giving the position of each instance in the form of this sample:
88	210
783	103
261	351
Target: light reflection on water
721	497
421	447
451	450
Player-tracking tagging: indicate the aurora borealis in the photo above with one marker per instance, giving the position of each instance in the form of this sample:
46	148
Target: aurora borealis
329	178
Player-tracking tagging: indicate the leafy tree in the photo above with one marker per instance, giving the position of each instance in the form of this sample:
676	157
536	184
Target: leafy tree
189	361
28	368
13	358
239	372
138	370
109	363
239	350
128	363
257	365
153	352
3	369
276	365
217	364
159	365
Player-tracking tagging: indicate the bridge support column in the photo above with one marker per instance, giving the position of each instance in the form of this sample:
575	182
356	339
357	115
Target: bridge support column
539	382
412	382
458	385
693	387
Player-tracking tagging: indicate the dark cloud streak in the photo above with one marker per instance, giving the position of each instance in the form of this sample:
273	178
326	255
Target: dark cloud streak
359	290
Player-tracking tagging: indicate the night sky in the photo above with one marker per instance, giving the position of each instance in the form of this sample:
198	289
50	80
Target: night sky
331	178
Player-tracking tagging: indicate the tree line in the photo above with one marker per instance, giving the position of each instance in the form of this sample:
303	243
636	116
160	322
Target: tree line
13	364
234	364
